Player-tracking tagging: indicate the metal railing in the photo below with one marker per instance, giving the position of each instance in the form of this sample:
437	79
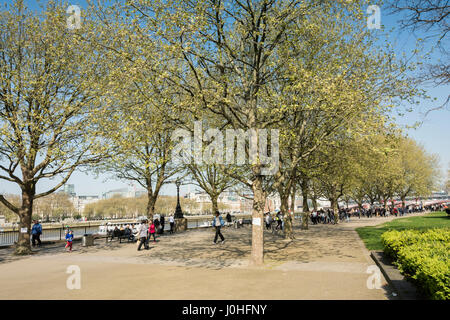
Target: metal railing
8	238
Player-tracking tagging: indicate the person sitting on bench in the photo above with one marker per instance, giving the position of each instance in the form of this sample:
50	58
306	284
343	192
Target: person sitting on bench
128	234
115	233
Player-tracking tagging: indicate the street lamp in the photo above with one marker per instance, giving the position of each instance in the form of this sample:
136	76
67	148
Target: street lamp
178	212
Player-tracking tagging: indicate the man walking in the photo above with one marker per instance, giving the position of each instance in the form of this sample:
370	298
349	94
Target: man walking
142	232
162	223
36	232
172	223
218	223
268	220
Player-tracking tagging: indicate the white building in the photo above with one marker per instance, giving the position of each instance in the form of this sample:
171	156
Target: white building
80	202
124	193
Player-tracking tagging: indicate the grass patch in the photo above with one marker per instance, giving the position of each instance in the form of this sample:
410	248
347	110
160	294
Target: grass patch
371	236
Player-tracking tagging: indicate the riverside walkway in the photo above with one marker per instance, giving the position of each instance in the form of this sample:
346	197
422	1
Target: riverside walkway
324	262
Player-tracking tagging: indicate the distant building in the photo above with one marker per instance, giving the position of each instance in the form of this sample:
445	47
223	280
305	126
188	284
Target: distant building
80	202
69	189
124	193
140	193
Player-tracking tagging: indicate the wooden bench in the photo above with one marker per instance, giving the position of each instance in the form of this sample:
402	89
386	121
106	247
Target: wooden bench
130	237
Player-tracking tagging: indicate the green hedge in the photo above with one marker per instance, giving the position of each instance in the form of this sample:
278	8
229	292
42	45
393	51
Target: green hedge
422	257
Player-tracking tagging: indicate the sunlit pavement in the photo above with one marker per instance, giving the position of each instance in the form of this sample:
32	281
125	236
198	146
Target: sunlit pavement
324	262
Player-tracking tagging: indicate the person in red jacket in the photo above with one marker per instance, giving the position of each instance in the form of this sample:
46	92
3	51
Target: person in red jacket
152	231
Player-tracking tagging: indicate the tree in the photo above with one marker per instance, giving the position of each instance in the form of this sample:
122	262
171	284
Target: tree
433	17
212	180
241	62
138	107
336	176
48	80
418	171
119	207
10	216
55	205
447	183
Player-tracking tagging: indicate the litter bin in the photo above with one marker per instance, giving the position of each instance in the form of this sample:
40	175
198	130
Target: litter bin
88	240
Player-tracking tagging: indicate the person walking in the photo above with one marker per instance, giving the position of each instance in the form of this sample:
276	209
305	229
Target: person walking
218	223
279	221
36	232
162	223
142	233
152	232
172	223
157	224
228	219
268	218
69	239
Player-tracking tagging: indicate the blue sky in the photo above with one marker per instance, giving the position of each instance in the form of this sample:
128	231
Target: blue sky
433	133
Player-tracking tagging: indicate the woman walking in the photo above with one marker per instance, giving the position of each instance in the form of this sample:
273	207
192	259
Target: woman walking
218	223
152	232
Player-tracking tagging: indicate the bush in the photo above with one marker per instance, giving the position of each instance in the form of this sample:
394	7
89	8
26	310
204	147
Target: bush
423	258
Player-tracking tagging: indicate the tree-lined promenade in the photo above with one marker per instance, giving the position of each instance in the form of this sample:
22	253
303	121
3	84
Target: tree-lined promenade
108	96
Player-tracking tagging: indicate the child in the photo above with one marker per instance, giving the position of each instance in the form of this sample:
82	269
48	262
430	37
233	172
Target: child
152	231
69	238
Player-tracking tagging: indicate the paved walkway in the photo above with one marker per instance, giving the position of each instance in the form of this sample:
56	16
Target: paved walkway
324	262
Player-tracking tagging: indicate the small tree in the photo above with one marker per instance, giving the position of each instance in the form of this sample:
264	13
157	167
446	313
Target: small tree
47	85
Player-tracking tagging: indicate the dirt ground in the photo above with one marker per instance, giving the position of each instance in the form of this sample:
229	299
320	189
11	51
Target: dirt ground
324	262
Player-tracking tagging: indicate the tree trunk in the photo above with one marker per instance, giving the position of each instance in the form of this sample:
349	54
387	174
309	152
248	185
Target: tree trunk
403	203
314	202
305	214
293	192
286	216
360	206
288	221
257	257
215	206
23	246
334	207
151	201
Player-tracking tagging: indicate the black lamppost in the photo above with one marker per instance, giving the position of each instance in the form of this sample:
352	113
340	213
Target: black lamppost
178	212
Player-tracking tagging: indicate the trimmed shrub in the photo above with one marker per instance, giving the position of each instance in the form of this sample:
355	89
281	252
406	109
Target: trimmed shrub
423	258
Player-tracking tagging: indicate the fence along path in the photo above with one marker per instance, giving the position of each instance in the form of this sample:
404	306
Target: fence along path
9	237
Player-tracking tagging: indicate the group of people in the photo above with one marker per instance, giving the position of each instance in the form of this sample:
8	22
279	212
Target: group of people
344	214
36	232
322	216
146	231
275	220
130	230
